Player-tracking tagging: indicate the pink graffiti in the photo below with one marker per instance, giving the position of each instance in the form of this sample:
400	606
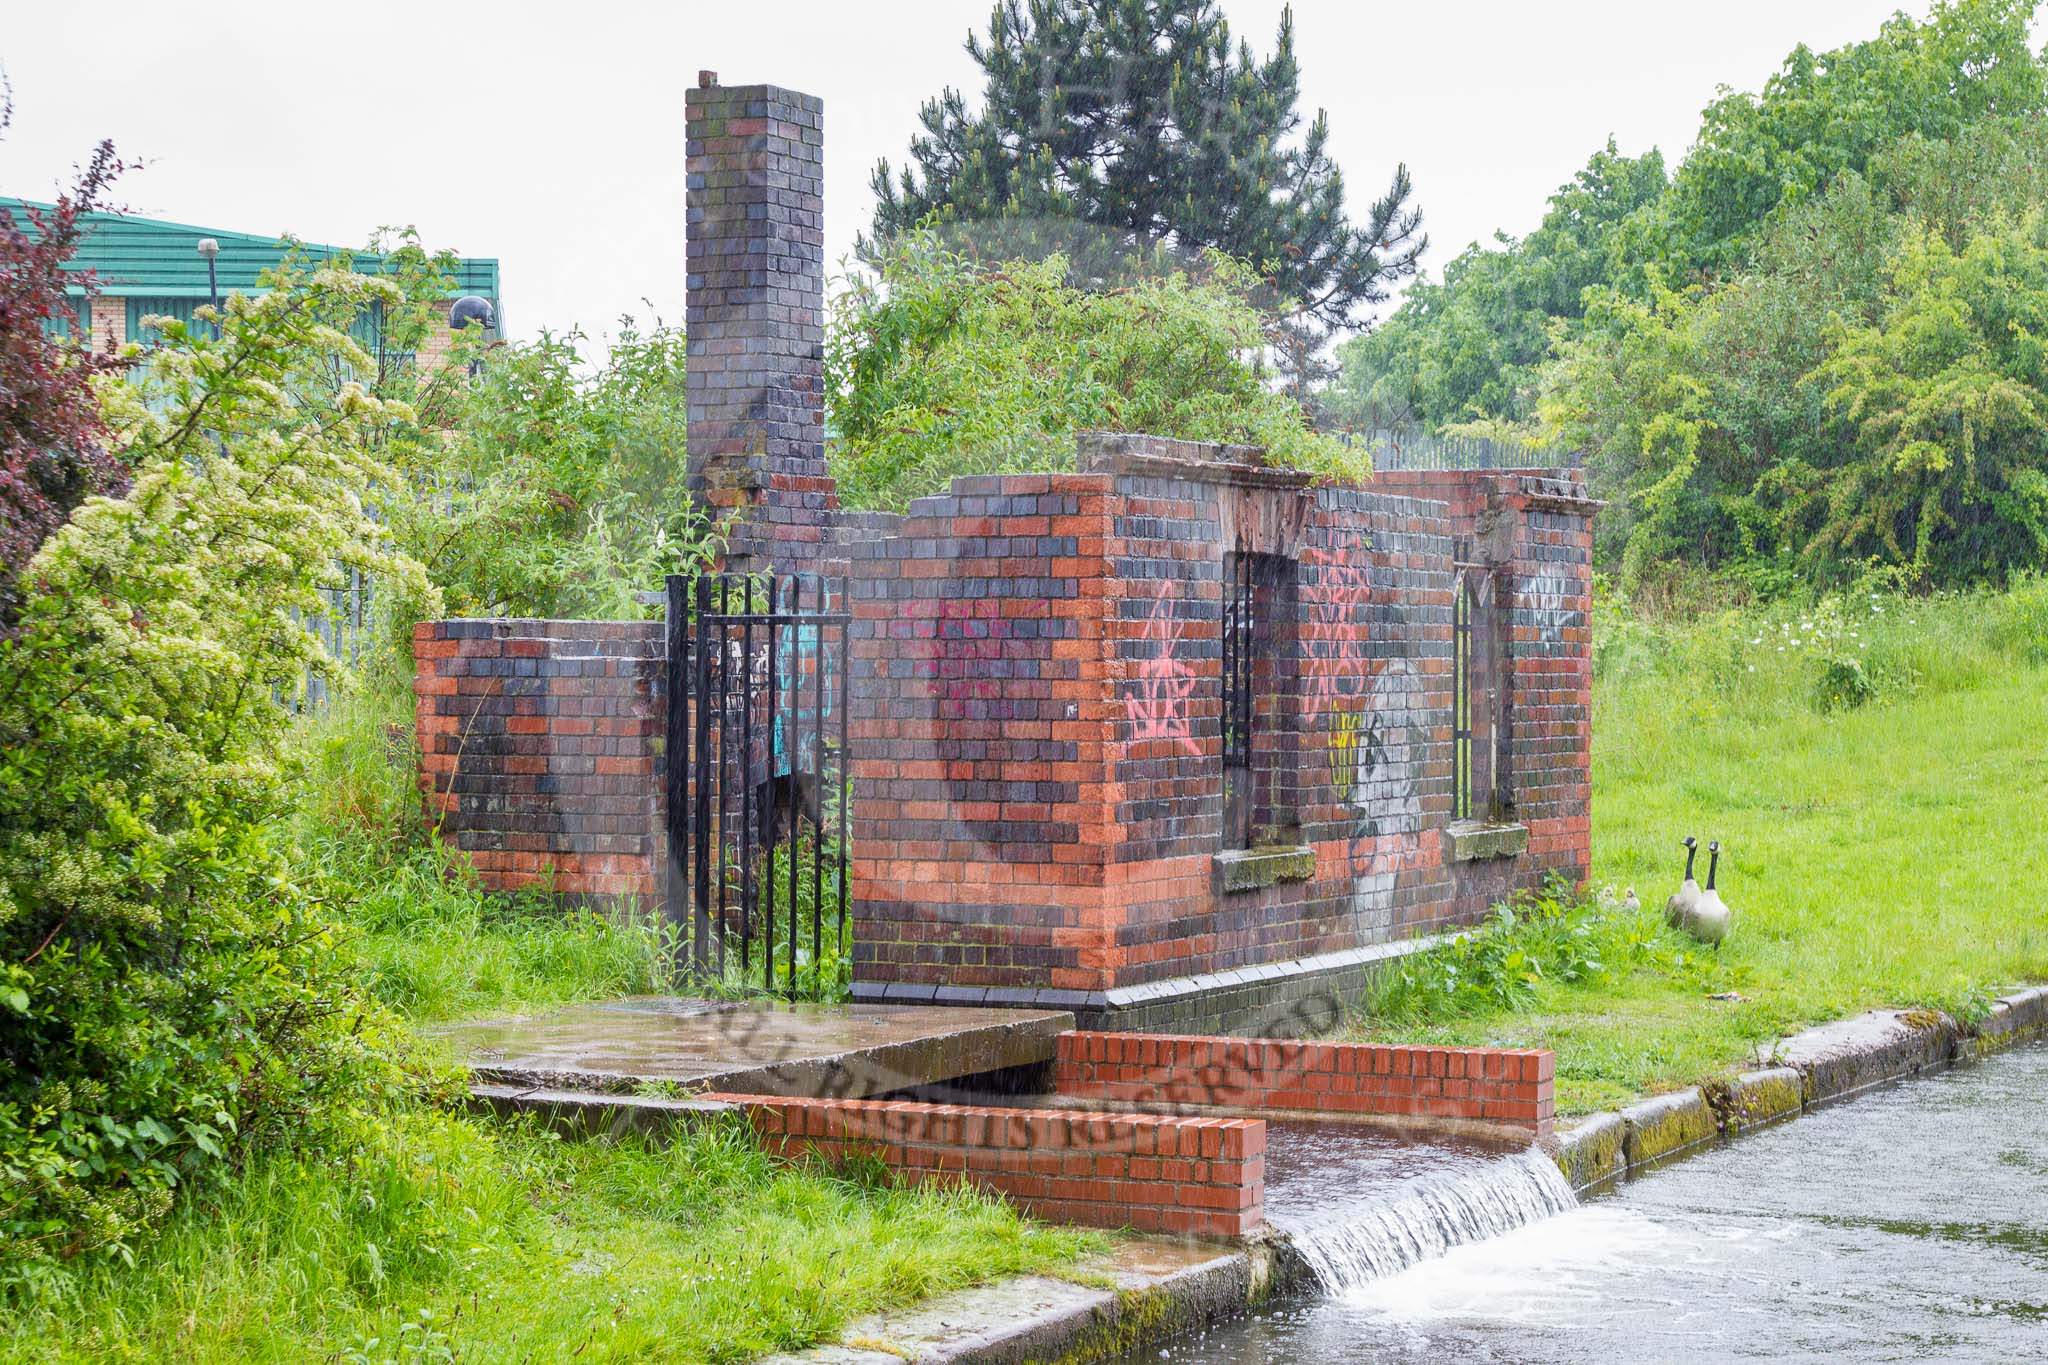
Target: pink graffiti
1158	706
1332	662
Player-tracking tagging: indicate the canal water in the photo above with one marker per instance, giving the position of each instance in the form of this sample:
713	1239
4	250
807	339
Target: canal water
1910	1224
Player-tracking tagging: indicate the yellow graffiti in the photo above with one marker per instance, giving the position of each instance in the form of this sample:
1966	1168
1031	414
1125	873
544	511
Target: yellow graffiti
1346	729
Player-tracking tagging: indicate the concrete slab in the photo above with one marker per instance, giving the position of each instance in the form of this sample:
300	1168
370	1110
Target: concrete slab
1591	1151
1667	1124
755	1047
1852	1055
1144	1290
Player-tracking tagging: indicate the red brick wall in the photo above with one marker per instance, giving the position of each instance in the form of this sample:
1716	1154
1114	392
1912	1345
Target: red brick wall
980	724
1492	1085
1037	733
1203	1177
539	751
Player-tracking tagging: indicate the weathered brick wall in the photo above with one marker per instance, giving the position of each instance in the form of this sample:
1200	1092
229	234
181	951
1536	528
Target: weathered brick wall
1200	1177
1038	738
1507	1086
754	314
1535	527
539	751
979	723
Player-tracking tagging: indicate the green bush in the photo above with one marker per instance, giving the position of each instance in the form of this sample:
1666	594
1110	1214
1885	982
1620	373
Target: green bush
549	487
944	367
1552	935
173	995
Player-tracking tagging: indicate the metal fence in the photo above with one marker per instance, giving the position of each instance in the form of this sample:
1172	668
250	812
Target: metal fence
1410	448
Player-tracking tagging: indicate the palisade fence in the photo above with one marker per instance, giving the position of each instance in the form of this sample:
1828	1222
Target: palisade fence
343	626
1410	448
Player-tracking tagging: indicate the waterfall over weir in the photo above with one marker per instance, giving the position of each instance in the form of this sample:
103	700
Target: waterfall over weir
1359	1209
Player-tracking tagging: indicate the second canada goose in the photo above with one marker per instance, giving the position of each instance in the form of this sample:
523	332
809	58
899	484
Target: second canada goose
1710	920
1678	910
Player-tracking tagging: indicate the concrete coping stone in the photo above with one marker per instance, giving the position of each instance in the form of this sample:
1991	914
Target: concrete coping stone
1849	1056
1664	1125
1158	1287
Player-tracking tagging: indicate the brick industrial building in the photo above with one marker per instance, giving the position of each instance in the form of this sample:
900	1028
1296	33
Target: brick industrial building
1174	740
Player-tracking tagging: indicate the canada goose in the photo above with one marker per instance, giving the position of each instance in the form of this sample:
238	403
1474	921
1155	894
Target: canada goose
1710	919
1678	910
1629	902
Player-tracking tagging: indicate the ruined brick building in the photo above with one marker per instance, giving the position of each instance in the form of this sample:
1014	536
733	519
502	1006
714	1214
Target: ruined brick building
1175	740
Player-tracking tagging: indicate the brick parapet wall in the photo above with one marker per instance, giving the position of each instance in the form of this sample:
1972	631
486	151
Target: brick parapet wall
1509	1087
539	751
1201	1177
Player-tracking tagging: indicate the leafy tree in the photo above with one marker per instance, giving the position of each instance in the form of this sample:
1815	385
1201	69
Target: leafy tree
944	367
1471	346
1943	399
1137	121
1826	114
53	443
546	489
172	995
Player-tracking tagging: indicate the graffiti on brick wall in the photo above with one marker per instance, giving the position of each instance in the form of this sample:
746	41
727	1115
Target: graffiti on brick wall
1385	745
1544	603
1157	704
1333	625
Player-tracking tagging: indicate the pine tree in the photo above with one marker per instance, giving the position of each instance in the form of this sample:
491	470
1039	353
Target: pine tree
1121	129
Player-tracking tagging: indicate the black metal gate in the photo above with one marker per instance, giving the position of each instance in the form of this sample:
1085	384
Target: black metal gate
757	779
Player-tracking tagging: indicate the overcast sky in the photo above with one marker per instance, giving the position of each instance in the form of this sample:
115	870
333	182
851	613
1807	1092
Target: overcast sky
551	135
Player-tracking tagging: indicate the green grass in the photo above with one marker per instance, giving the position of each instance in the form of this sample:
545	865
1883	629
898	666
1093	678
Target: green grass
479	1242
449	1237
1882	850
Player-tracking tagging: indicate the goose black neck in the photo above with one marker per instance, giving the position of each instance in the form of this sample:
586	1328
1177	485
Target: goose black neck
1713	862
1691	852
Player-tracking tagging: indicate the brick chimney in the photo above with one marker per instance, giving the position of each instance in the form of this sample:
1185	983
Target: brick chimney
755	320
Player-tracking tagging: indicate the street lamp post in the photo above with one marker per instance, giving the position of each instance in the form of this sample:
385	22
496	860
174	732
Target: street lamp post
209	248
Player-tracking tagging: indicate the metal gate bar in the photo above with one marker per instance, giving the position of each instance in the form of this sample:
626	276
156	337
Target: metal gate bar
750	763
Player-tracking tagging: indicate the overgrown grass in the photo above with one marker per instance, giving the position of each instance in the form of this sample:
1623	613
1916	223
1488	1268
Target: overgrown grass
432	944
473	1241
1876	773
451	1237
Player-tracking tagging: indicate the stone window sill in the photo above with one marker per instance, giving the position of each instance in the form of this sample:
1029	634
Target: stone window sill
1471	841
1254	869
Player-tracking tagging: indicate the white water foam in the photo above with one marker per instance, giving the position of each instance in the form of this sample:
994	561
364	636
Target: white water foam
1354	1245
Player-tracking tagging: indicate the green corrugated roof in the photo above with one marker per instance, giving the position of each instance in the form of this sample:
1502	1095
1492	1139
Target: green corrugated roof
148	256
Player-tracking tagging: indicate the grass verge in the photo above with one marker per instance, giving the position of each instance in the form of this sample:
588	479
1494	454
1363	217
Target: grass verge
475	1241
1876	774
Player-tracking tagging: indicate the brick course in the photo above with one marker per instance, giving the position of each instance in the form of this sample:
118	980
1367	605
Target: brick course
1503	1086
1201	1177
539	750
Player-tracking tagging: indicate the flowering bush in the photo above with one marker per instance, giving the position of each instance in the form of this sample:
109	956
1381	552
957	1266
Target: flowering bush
170	996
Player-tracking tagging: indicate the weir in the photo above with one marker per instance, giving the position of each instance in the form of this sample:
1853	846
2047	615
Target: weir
1358	1208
